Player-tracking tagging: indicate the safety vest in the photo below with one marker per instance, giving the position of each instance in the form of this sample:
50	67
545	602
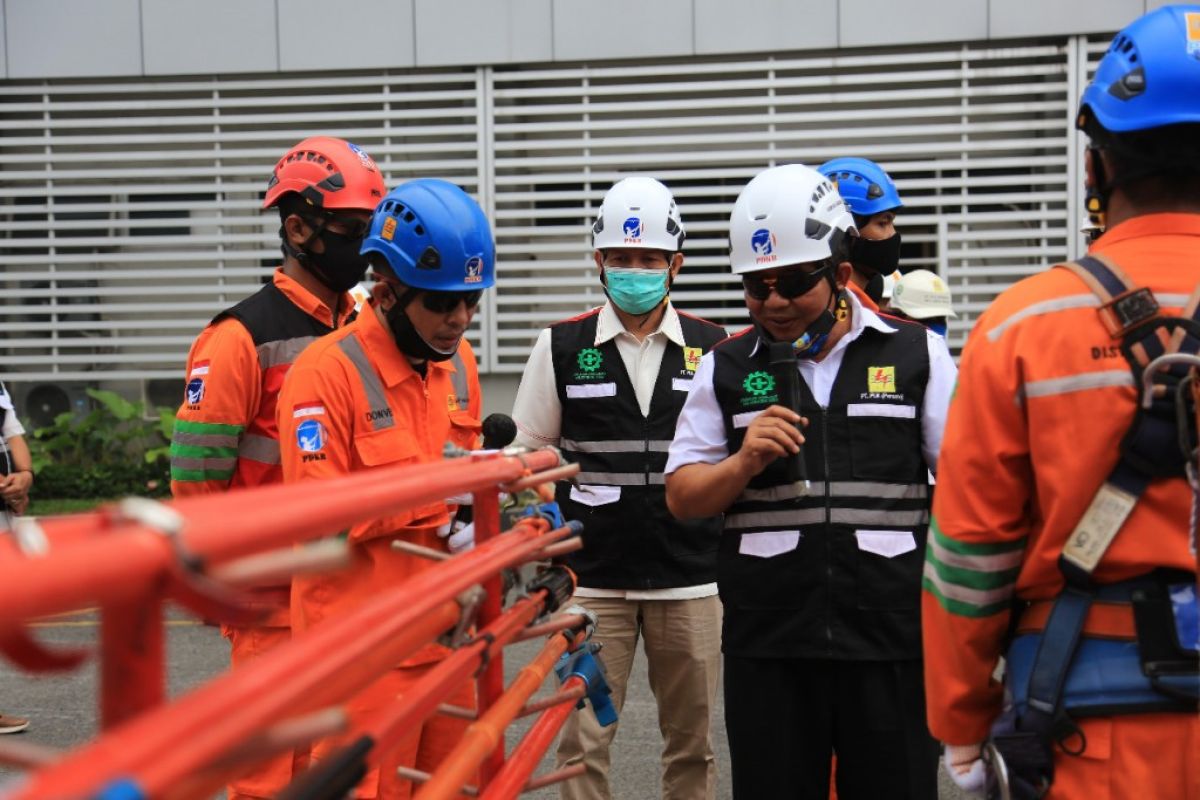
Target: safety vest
836	574
280	331
631	541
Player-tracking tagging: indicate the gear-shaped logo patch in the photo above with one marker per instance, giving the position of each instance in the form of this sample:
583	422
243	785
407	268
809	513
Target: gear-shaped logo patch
589	359
759	383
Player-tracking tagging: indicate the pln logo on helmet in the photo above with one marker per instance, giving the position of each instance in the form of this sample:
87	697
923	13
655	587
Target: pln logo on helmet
473	269
633	230
763	243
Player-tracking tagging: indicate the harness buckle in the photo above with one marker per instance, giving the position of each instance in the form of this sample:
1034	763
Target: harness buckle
1128	310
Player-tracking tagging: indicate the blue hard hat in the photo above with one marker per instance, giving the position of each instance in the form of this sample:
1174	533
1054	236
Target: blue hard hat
1150	75
863	184
433	236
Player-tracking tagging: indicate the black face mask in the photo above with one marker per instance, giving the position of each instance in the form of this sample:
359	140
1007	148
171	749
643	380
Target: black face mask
878	256
407	338
341	266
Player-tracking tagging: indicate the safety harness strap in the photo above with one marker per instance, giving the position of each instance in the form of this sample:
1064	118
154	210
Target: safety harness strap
1124	309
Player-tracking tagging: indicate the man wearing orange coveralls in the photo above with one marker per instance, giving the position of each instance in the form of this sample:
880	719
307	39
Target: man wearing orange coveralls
1061	519
392	388
225	436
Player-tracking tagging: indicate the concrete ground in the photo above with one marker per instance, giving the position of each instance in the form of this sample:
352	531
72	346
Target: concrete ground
63	707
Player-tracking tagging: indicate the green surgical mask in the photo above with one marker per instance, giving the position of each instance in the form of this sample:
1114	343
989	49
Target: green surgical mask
635	290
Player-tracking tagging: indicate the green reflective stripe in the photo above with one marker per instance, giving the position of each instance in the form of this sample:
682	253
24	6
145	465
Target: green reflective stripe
198	475
204	439
971	549
208	428
963	608
995	563
969	577
192	451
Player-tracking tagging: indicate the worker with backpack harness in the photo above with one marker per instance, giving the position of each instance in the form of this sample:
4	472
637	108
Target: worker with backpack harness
1063	532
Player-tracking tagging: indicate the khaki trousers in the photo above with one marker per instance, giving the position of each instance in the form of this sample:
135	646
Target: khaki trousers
683	649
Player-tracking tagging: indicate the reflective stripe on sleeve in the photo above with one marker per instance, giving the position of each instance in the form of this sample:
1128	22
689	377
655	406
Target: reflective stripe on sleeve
971	580
259	448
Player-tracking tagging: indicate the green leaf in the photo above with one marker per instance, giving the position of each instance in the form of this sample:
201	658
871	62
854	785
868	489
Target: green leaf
117	405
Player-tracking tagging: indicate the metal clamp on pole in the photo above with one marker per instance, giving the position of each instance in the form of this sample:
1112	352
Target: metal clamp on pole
583	664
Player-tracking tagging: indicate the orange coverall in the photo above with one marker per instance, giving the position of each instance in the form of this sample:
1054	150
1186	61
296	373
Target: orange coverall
222	443
1043	399
353	402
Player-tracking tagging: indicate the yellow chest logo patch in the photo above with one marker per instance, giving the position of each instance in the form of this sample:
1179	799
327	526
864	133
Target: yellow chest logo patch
691	358
881	379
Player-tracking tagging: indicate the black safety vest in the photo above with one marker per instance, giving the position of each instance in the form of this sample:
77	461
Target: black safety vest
829	595
632	542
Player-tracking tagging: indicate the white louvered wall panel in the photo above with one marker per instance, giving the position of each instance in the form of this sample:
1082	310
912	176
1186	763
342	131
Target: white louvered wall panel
978	138
129	209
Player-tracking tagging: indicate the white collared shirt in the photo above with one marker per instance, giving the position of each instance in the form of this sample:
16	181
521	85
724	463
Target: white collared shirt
538	412
700	432
12	425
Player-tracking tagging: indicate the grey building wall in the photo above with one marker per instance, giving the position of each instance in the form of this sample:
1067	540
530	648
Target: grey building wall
110	38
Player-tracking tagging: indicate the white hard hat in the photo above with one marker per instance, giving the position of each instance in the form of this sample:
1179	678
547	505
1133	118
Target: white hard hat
638	212
786	215
889	282
921	294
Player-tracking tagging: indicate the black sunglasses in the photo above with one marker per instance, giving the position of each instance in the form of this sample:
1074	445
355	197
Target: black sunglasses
446	302
788	285
350	227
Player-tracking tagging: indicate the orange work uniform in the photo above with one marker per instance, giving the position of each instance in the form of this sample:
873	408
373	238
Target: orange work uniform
225	438
353	402
1043	400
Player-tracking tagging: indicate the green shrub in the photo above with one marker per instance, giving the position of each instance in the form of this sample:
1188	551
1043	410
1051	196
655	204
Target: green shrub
109	452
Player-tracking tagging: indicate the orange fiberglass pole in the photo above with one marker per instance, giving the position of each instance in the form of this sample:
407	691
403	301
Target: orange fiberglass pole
390	727
111	564
487	733
330	663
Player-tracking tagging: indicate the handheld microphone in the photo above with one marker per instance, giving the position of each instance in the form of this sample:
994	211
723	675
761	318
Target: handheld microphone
498	430
787	383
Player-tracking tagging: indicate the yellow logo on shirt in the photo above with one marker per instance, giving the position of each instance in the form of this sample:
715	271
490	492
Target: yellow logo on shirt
691	358
451	402
881	379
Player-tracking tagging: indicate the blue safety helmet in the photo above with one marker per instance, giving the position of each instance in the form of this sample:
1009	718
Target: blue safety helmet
431	235
1150	75
863	184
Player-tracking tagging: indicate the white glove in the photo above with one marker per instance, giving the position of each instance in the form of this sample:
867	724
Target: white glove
461	538
966	768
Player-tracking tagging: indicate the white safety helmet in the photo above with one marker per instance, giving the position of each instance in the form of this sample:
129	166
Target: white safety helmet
638	212
921	294
786	215
889	283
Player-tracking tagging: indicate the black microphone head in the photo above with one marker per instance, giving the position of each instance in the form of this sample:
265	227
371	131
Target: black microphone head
499	430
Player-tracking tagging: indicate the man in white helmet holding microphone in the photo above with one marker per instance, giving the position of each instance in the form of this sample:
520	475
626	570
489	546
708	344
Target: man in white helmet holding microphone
819	565
607	387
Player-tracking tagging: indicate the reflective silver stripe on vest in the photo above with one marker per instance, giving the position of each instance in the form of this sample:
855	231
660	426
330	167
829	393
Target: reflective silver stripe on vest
617	446
1103	379
259	448
458	379
1073	301
284	351
620	478
372	385
837	516
891	491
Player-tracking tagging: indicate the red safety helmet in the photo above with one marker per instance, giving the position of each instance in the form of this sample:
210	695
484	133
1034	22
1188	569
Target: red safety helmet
329	174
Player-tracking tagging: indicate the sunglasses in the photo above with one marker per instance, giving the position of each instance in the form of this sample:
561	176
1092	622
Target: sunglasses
788	285
350	227
446	302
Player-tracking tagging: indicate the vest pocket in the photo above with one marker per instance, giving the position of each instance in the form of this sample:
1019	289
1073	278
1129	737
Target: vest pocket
884	447
889	569
465	430
390	447
772	572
